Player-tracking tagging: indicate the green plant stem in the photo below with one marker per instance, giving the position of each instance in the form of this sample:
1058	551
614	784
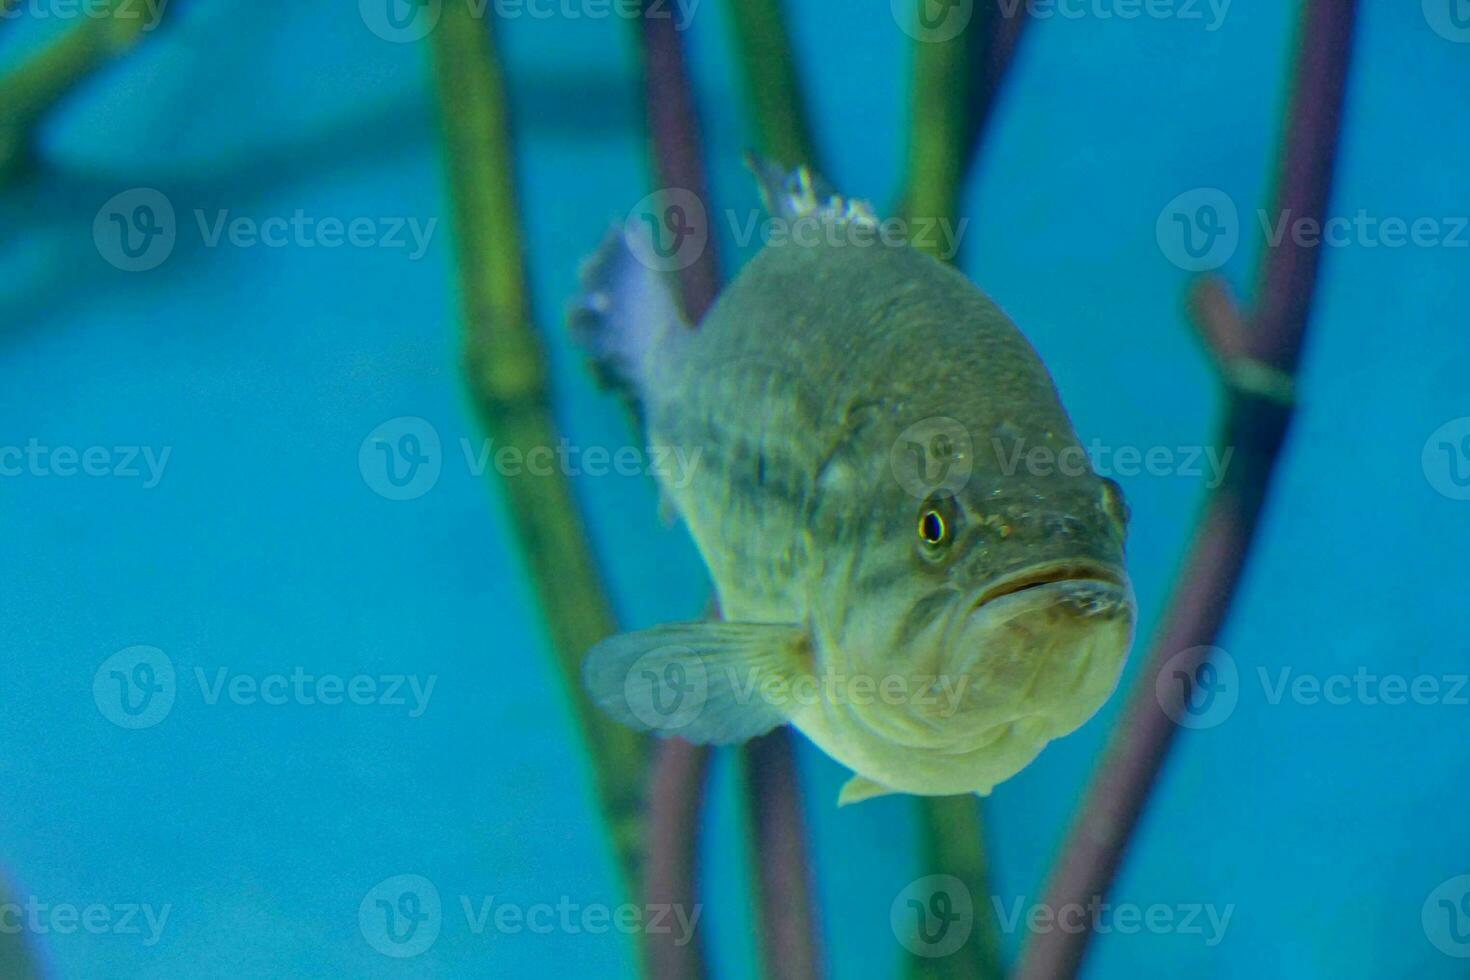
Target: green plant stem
955	84
506	375
775	817
42	80
938	133
951	844
769	69
16	960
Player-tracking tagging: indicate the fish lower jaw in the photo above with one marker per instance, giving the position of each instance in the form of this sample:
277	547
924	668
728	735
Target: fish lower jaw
974	766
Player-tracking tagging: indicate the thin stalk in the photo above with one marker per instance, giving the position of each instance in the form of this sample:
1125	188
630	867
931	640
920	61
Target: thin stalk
787	908
951	843
17	961
506	375
772	87
1256	420
31	88
956	84
783	889
676	794
675	798
789	928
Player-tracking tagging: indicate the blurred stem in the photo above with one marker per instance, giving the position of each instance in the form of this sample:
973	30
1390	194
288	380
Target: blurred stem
16	960
1257	358
506	376
769	68
42	80
956	86
787	907
950	834
676	791
939	119
675	798
956	83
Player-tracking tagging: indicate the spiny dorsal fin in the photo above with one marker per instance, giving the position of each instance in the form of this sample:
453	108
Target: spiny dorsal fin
799	193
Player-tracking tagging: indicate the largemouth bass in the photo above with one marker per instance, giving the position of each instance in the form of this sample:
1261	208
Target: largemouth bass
915	564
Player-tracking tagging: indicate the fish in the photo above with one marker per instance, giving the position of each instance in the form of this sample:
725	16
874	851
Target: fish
915	564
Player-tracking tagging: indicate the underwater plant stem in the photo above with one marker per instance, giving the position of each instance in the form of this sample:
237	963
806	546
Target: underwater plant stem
951	844
772	784
783	889
764	50
675	795
17	959
506	376
788	924
673	130
956	83
36	84
1256	421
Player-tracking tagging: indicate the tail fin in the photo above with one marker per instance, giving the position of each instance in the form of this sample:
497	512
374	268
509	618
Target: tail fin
625	317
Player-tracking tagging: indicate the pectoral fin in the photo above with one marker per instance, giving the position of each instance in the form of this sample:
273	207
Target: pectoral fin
860	788
706	682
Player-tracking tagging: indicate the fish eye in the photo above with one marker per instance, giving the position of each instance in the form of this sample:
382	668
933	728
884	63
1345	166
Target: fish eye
936	526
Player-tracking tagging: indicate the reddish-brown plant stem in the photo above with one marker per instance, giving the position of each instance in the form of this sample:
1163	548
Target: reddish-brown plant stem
783	889
1257	364
788	921
675	793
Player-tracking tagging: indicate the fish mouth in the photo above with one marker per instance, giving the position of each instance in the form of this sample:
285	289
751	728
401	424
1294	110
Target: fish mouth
1054	573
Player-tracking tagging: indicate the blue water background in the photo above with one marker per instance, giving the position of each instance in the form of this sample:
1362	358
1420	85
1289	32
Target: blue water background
263	548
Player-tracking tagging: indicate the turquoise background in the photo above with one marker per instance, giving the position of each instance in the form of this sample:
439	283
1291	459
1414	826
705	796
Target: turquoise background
264	547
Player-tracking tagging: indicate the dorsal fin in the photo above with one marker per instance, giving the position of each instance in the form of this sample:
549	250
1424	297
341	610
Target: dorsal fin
800	193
